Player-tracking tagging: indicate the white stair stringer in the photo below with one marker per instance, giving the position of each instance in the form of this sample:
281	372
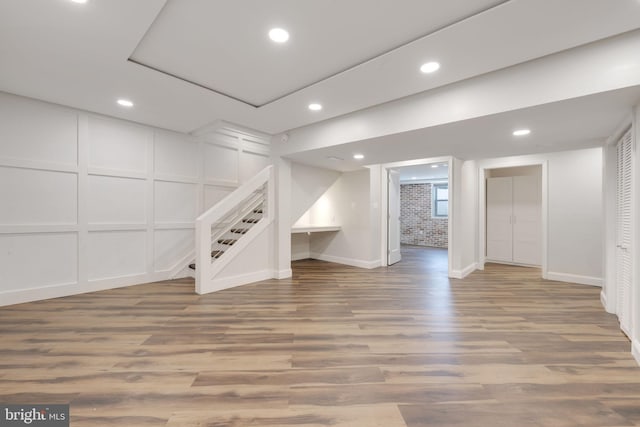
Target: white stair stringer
217	265
250	207
222	230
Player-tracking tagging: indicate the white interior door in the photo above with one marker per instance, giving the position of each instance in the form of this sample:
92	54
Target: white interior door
527	220
393	233
623	232
499	217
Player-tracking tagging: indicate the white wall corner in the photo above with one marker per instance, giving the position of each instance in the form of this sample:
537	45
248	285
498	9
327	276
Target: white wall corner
282	241
603	301
181	268
300	255
238	280
574	278
461	274
284	274
185	272
346	261
635	351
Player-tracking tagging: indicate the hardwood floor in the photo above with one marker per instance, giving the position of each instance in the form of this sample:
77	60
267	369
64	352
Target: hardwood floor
333	346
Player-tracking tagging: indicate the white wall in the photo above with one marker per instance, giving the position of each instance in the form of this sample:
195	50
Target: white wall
463	215
300	246
608	295
308	184
635	246
90	202
282	234
347	204
575	213
377	208
466	206
516	171
575	218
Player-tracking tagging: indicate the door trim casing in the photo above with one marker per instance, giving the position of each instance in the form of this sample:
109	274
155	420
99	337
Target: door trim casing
482	208
390	250
384	247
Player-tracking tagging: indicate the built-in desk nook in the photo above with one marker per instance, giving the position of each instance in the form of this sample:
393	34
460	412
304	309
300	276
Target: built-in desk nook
302	235
314	229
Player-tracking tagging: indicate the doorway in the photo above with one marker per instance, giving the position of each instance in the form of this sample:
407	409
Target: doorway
509	223
418	211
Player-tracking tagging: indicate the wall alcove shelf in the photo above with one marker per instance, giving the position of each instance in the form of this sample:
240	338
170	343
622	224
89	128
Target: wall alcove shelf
314	229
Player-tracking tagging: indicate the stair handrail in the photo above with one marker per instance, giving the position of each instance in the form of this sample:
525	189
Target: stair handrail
218	211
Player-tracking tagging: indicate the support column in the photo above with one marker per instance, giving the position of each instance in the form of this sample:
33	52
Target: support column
282	239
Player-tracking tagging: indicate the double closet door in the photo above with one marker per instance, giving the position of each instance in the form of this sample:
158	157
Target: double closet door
514	220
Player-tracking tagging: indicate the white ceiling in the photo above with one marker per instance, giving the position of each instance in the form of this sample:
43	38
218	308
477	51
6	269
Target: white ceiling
572	124
423	172
223	45
348	55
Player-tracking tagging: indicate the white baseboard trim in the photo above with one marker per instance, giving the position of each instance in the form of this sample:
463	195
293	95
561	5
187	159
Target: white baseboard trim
605	303
461	274
346	261
284	274
300	255
603	300
517	264
574	278
233	281
635	350
19	296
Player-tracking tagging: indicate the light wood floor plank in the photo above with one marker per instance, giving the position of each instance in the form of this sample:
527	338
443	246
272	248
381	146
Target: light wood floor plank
402	346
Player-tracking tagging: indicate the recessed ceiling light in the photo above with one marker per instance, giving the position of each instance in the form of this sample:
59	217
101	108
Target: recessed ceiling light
79	1
125	103
358	156
279	35
434	166
430	67
521	132
315	107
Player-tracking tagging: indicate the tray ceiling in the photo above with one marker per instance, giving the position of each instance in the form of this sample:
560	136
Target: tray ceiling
223	46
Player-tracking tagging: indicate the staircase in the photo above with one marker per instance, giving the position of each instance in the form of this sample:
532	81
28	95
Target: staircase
227	228
229	238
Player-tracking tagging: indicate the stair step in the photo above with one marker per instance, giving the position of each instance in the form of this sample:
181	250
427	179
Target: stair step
239	230
258	211
227	241
251	220
216	254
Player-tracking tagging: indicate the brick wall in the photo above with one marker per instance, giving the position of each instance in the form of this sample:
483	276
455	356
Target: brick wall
417	227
